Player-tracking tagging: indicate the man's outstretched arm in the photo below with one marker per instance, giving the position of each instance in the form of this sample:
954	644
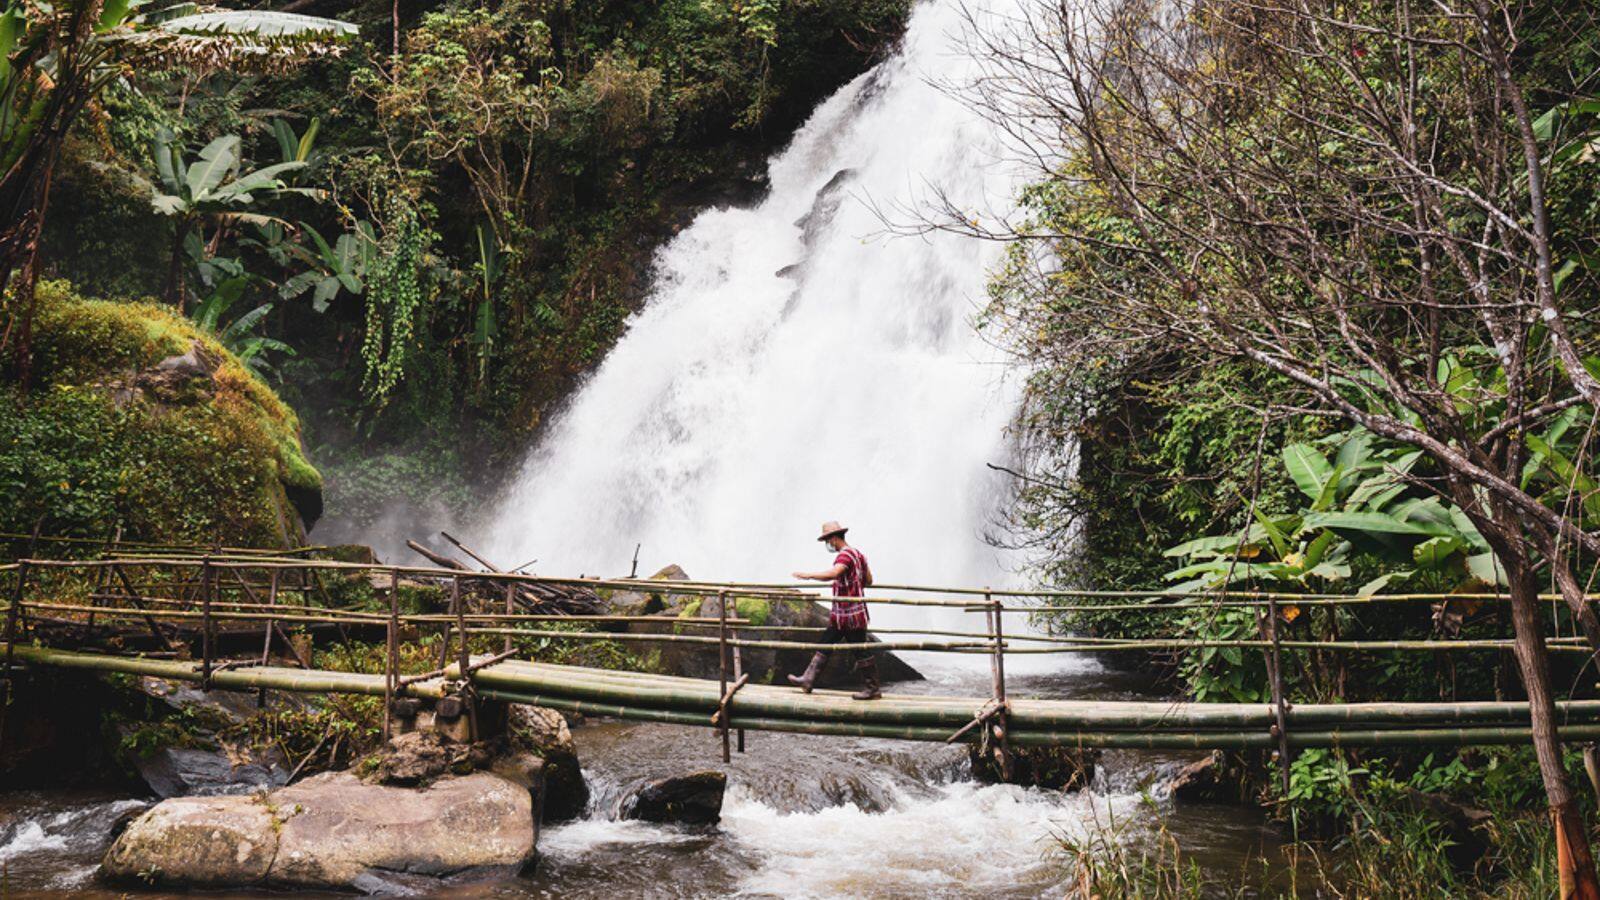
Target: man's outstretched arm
831	574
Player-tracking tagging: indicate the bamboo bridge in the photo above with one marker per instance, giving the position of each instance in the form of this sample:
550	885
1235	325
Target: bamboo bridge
274	593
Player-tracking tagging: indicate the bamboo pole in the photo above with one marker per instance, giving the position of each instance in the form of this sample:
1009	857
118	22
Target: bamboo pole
205	625
740	677
511	606
273	677
266	637
1025	714
780	590
454	608
1087	740
722	668
391	654
997	723
464	659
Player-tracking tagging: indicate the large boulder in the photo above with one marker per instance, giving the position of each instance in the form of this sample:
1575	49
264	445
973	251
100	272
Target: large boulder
332	831
200	842
658	614
137	416
694	799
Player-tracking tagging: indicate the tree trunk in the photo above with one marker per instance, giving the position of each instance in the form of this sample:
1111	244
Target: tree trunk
1572	837
175	290
26	250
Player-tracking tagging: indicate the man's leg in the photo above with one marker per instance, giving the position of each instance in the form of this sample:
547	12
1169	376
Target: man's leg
867	665
804	682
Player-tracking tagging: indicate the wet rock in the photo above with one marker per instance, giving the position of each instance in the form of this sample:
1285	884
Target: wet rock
544	732
185	771
185	752
1218	778
694	799
340	832
202	842
642	603
1065	769
330	831
419	757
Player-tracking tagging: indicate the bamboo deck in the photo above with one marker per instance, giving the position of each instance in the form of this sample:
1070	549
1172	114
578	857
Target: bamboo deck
1033	722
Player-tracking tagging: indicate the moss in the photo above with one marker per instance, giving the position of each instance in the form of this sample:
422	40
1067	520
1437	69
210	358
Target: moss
97	443
755	609
690	609
420	598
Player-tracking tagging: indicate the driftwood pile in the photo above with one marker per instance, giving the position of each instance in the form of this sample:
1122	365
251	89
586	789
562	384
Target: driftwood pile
528	597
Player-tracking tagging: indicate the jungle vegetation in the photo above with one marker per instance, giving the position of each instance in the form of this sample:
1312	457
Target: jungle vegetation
429	218
1307	292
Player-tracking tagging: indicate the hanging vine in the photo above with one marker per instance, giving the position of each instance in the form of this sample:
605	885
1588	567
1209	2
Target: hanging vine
395	292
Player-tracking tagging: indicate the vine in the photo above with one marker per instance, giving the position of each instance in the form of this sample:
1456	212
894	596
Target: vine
394	294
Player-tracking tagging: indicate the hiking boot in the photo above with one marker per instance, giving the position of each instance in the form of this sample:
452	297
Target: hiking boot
869	680
804	682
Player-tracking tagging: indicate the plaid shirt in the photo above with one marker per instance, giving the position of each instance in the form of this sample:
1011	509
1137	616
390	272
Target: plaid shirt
846	615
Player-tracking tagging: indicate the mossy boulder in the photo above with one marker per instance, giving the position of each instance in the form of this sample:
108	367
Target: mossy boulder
799	620
139	418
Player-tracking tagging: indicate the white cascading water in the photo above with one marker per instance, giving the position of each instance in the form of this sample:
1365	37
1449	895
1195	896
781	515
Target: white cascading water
795	365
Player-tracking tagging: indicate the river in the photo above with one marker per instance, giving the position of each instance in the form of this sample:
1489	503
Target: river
804	816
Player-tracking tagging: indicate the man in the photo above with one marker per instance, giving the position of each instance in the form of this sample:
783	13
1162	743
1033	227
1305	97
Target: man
847	620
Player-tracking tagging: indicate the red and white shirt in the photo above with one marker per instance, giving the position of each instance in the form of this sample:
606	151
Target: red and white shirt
847	615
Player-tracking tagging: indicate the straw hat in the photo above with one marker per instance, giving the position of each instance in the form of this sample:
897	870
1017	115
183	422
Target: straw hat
829	529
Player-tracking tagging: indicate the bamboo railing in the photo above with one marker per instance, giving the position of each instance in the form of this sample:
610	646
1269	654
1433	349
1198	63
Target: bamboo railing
173	593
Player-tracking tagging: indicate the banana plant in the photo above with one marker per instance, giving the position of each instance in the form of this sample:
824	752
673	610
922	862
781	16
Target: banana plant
56	58
240	335
1359	501
211	187
296	147
331	269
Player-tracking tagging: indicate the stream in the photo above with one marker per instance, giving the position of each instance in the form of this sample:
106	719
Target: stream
804	816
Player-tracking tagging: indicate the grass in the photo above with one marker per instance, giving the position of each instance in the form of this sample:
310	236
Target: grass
1393	854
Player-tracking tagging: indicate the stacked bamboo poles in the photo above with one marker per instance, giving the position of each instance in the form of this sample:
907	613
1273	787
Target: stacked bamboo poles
277	678
1125	724
1107	724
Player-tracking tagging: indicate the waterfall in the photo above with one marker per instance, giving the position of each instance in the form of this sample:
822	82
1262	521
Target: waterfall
794	364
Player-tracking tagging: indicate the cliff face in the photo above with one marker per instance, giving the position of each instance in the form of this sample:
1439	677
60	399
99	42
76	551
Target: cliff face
139	419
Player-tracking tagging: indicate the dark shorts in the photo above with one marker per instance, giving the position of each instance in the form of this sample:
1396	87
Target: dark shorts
846	636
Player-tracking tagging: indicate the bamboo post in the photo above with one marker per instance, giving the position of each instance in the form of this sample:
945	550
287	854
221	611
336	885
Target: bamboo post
738	675
1280	707
455	606
998	725
511	607
102	577
391	650
722	665
205	623
13	617
465	656
266	631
